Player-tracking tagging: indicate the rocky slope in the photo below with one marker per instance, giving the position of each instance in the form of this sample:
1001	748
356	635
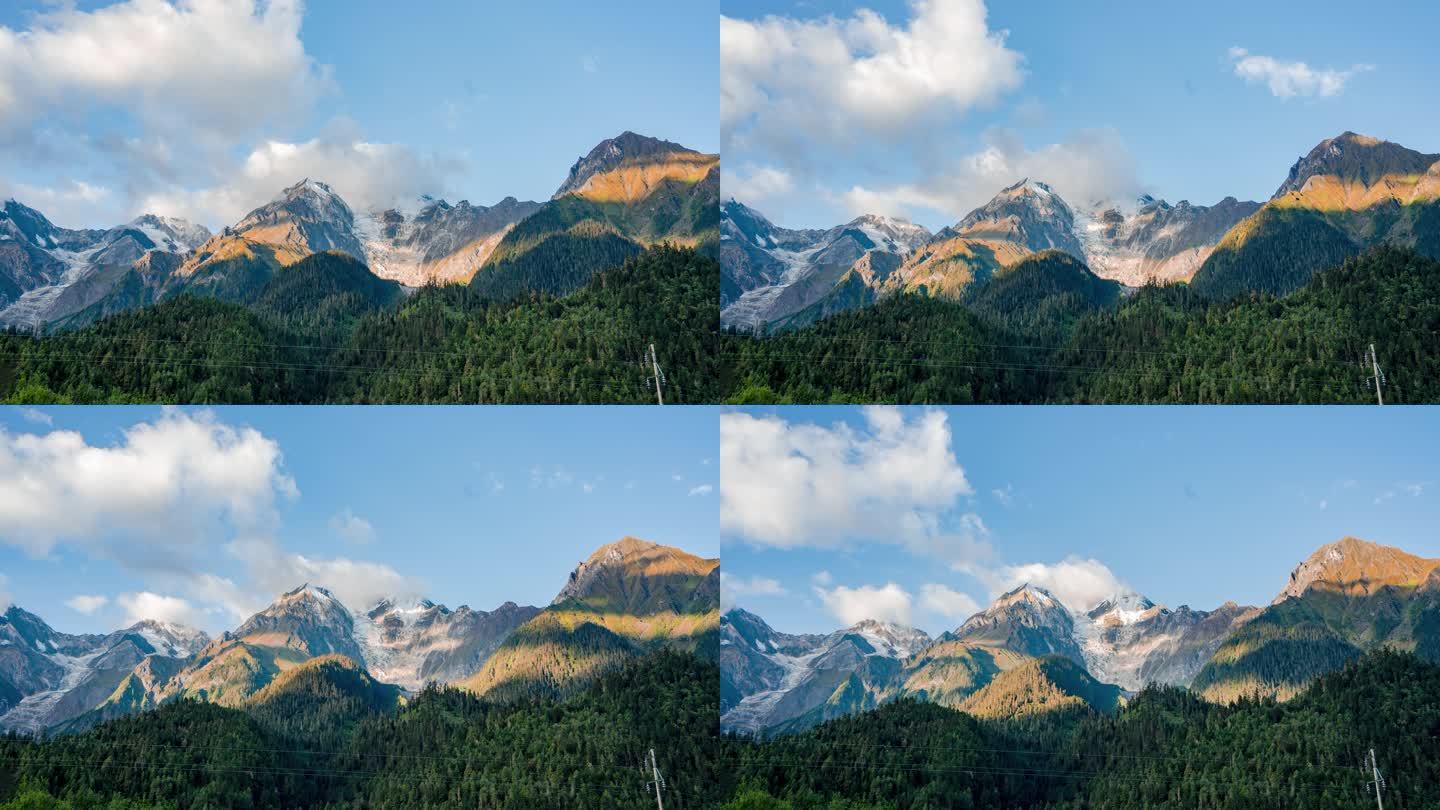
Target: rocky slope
627	598
437	242
48	677
48	273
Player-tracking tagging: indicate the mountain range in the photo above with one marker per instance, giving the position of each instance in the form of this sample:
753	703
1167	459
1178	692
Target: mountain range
629	193
1348	194
1028	650
629	598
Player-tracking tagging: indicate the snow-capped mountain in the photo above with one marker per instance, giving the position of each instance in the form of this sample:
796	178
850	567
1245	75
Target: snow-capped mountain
413	643
1028	213
48	677
774	677
1155	241
769	273
627	599
436	241
772	681
47	272
1028	620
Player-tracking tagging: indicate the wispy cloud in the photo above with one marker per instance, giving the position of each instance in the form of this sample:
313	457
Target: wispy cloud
703	489
1290	79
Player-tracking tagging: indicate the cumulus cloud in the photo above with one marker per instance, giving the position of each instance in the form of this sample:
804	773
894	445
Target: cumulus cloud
893	480
217	68
368	176
352	528
756	184
164	501
173	473
1289	79
733	588
953	605
1079	583
145	605
840	79
87	603
886	603
1090	167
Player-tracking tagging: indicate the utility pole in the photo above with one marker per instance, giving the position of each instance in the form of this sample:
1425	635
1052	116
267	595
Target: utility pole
659	375
1377	780
1376	374
658	782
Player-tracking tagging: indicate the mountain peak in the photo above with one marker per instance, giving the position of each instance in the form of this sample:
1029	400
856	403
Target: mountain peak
612	153
1357	567
1357	158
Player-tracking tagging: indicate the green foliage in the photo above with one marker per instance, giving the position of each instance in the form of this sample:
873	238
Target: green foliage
444	749
1159	345
1281	249
1166	749
318	336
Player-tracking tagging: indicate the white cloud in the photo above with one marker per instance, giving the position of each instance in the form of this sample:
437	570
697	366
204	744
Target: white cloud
1005	495
893	480
703	489
886	603
953	605
756	184
4	594
273	570
1090	167
163	477
36	416
733	588
843	79
368	176
1079	583
352	528
163	502
87	603
822	578
158	607
1289	79
217	67
1415	490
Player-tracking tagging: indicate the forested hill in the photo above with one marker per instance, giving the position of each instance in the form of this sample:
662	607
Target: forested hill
1165	749
327	742
1159	345
315	337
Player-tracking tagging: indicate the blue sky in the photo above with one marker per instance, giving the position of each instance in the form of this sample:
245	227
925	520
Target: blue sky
1147	94
474	100
1185	505
468	505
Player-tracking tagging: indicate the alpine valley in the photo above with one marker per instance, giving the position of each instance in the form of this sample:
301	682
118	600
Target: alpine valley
306	299
1034	298
1125	704
518	706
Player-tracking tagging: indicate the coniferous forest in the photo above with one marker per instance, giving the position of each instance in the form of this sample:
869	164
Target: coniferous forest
331	742
326	331
1044	338
1166	749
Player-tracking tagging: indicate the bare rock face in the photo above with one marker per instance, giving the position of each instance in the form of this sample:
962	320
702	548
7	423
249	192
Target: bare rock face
1357	568
1357	158
413	644
48	273
438	242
